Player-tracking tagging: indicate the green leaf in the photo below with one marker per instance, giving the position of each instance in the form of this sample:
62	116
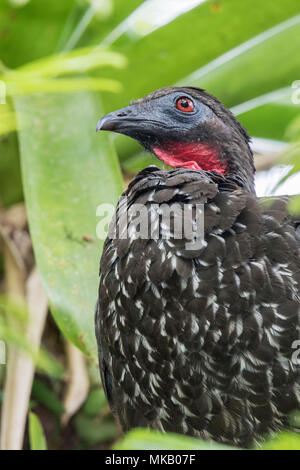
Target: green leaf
268	115
140	160
106	28
62	85
273	52
7	119
77	61
45	396
11	190
197	38
41	75
282	441
68	171
218	47
32	31
36	434
292	133
47	26
14	334
290	156
294	207
42	359
95	402
93	430
144	439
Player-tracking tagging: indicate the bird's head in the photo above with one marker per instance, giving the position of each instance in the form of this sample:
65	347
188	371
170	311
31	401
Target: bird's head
186	127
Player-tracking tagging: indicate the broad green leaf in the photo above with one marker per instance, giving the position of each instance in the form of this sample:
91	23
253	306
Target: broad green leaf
222	47
7	119
36	434
269	115
62	85
267	62
41	76
78	61
7	123
68	171
144	439
200	36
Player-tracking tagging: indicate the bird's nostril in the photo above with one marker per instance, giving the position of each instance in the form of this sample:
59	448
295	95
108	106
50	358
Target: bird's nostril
122	114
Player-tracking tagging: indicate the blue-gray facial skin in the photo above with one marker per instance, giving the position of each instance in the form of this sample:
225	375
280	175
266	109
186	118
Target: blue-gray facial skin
159	119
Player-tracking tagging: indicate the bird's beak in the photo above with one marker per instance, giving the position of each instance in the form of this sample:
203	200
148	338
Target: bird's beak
118	121
110	122
136	121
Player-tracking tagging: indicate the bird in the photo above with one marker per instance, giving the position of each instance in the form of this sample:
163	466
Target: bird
198	334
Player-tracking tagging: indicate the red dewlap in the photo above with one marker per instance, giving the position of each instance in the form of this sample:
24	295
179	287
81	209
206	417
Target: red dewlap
196	156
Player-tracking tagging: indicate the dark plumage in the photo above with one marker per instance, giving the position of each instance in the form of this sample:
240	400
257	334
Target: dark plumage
199	341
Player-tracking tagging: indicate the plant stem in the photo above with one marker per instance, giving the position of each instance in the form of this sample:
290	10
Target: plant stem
80	28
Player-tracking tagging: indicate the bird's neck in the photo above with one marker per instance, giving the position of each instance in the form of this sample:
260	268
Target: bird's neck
234	161
193	155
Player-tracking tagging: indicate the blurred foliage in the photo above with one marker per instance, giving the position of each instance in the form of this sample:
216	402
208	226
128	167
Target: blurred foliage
95	403
7	119
268	116
11	189
33	30
36	434
282	441
294	206
291	157
292	133
13	318
94	422
94	430
44	395
145	439
44	75
64	64
196	38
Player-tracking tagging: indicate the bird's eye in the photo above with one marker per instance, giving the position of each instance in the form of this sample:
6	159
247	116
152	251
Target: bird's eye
185	104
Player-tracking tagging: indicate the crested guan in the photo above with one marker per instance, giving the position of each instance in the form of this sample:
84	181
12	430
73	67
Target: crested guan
198	338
